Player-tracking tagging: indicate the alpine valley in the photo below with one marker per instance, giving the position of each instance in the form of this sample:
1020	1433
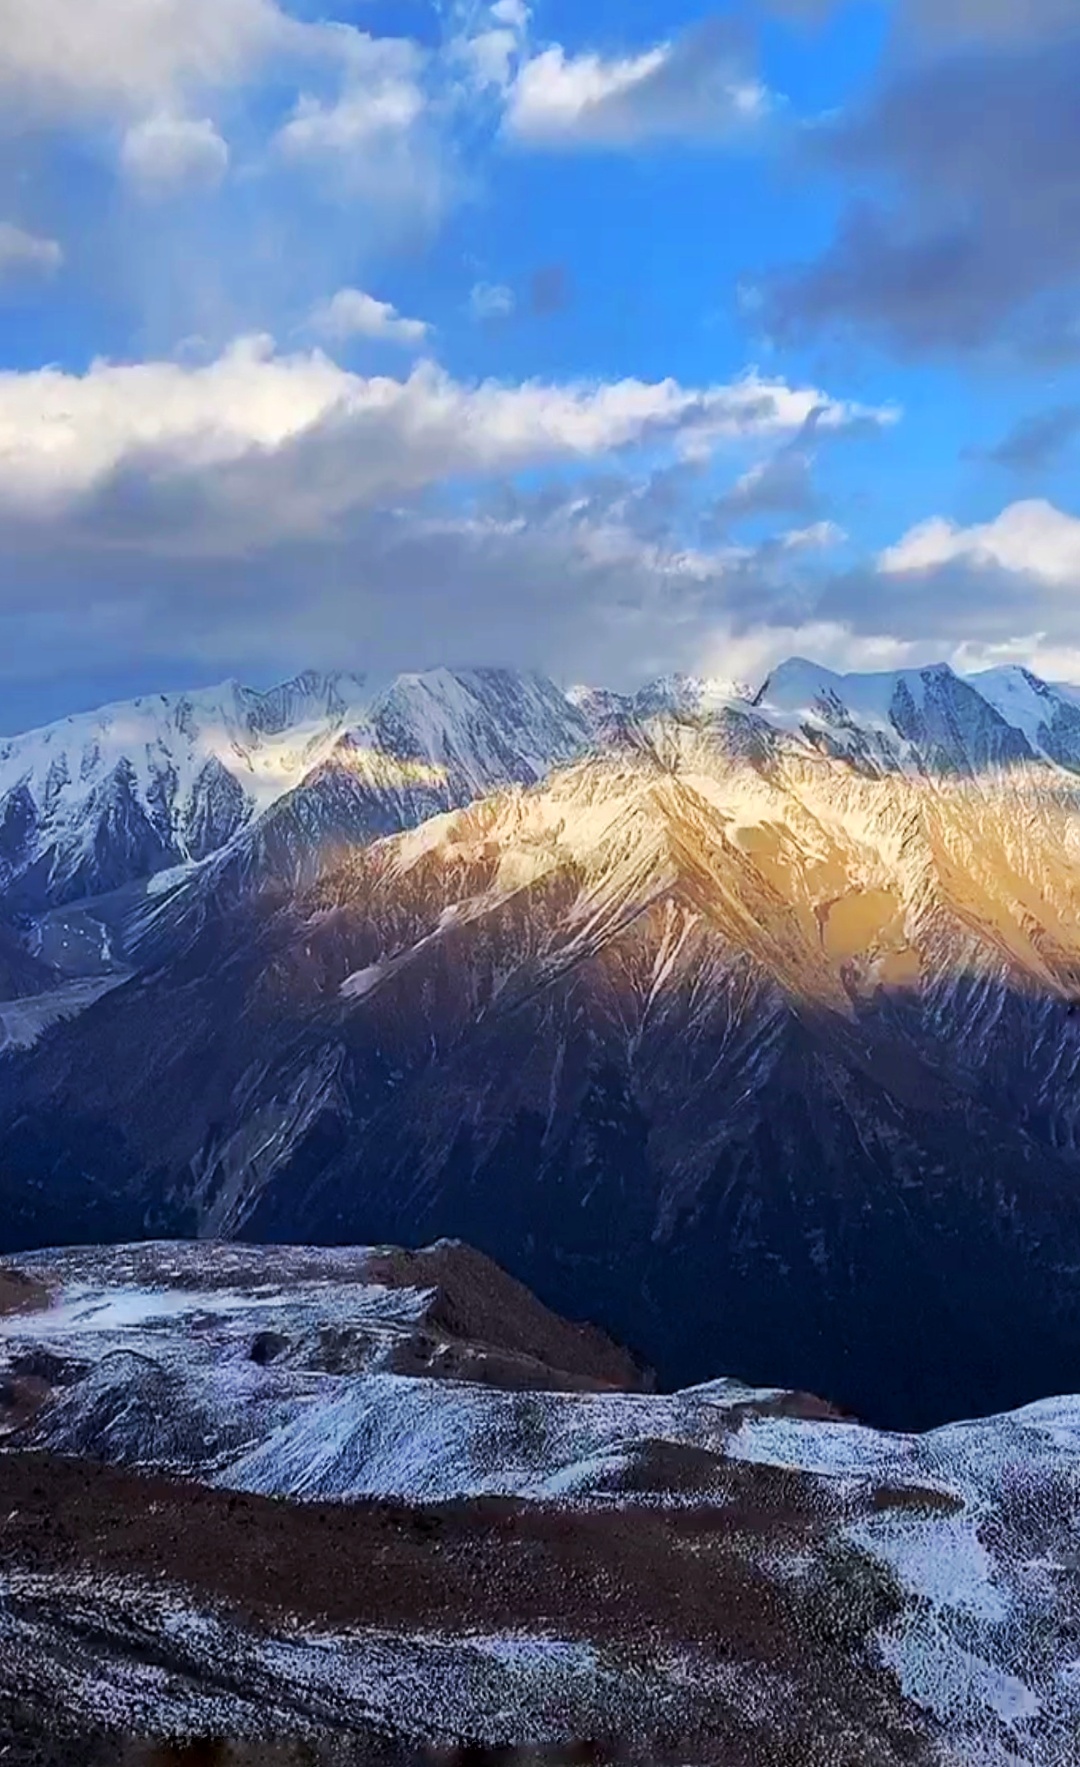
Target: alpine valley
742	1023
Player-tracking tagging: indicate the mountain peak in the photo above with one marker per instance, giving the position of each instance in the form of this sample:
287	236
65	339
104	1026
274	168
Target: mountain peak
694	694
204	766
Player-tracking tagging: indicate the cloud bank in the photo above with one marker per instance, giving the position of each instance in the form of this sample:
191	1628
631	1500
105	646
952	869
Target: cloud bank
345	438
961	230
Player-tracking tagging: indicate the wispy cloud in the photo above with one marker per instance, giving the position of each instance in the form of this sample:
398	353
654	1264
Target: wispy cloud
491	300
165	153
376	138
23	253
691	88
352	313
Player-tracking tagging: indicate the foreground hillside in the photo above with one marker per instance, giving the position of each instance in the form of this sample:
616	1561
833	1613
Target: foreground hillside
746	1026
387	1497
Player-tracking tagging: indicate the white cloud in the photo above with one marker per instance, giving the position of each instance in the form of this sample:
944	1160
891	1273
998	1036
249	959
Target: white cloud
261	505
1039	651
491	57
491	300
556	93
152	65
1031	538
514	13
352	313
382	97
761	406
378	139
490	42
22	253
61	434
748	653
688	89
166	153
364	120
818	536
282	442
60	59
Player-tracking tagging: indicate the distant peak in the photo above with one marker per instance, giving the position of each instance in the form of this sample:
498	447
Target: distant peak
797	679
696	695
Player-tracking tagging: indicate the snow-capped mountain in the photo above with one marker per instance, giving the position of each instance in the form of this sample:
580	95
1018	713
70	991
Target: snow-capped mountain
684	696
708	1013
1047	713
98	801
95	801
922	720
428	744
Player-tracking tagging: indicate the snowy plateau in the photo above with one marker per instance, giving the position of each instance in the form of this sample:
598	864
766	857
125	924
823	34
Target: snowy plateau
366	1494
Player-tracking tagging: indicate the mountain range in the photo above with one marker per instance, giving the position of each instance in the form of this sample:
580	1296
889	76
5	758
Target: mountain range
743	1022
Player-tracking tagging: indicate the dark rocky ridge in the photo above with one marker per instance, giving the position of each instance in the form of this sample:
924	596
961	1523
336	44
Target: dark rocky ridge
478	1325
507	1336
876	1223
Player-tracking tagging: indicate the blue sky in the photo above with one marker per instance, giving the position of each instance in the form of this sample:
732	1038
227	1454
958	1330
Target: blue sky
609	340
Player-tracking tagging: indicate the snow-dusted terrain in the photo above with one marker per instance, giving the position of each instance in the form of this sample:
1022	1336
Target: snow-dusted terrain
641	993
186	796
107	798
742	1020
104	799
272	1372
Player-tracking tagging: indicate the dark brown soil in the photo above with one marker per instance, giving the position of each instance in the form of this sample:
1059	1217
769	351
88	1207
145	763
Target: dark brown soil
20	1293
21	1398
685	1578
478	1304
801	1405
441	1356
492	1562
915	1497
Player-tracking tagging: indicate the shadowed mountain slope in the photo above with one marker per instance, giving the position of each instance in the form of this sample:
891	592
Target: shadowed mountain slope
761	1054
